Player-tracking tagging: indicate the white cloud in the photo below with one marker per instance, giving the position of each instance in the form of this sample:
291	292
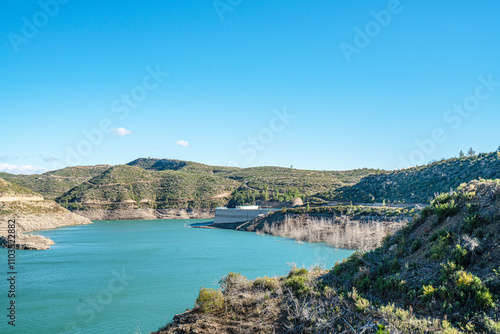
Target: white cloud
182	143
20	169
121	132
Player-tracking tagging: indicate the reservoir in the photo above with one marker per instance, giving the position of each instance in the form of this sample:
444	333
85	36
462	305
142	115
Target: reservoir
134	276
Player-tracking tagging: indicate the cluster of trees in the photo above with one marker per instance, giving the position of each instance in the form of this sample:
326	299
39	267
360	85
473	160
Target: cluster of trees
471	152
248	196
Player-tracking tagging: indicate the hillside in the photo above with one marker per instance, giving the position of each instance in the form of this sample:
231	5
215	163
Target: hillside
161	184
31	212
265	182
126	186
55	183
418	184
172	164
283	184
147	183
10	190
440	274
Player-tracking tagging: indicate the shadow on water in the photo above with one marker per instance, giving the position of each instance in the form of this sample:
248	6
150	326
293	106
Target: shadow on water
201	224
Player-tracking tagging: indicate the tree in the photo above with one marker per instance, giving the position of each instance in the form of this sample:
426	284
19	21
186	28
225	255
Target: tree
471	152
461	154
265	194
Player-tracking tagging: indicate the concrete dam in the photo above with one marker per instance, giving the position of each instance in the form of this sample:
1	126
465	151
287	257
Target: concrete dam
240	214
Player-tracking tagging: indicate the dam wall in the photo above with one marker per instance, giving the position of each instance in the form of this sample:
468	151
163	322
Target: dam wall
238	215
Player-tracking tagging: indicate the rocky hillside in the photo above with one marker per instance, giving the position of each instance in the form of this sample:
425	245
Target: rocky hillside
440	274
419	184
31	212
55	183
149	188
130	187
151	185
265	182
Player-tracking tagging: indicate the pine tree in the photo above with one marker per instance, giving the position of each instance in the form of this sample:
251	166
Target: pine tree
471	152
461	154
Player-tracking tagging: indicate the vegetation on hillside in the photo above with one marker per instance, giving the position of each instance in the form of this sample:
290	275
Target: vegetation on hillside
419	184
55	183
10	189
182	186
166	183
24	205
283	184
125	186
263	183
440	274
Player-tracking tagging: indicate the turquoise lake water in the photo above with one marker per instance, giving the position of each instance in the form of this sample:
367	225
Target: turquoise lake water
134	276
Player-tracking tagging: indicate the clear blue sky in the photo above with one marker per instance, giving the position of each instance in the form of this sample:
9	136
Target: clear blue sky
231	65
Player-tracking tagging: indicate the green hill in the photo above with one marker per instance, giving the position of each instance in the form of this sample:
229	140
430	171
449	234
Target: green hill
55	183
126	186
264	183
172	164
168	183
14	190
419	184
308	182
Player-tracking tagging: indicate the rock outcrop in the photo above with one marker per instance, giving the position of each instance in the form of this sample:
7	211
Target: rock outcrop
26	211
141	214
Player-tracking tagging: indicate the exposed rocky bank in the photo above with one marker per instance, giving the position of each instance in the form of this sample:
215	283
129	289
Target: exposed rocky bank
142	214
30	212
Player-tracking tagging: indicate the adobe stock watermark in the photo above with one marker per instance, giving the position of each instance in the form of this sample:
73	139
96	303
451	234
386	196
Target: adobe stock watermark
455	117
122	108
371	30
223	6
257	143
89	307
32	25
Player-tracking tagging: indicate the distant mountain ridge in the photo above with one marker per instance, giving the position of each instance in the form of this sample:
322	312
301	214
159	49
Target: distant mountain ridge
147	183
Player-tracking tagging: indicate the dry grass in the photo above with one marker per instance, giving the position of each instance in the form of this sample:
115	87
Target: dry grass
339	232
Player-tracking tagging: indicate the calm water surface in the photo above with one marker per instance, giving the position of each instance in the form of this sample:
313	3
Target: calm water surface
134	276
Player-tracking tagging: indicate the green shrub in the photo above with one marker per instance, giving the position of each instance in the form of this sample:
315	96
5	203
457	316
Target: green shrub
440	247
442	199
394	266
460	256
381	329
416	244
428	292
471	223
362	304
298	272
363	284
462	289
299	285
438	234
266	283
209	300
446	210
448	270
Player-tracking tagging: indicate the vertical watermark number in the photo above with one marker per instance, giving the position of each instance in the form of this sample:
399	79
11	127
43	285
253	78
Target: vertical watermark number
11	272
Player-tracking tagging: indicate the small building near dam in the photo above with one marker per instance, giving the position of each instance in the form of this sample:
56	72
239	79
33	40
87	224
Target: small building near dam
240	214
